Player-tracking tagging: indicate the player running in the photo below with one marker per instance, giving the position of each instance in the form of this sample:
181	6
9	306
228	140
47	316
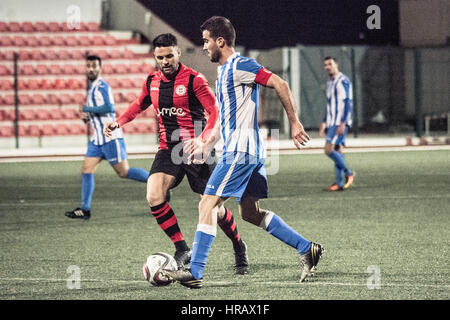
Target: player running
241	172
180	96
99	109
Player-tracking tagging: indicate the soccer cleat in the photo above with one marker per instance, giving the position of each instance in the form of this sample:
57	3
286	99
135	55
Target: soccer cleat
334	187
184	277
310	260
182	258
349	180
78	213
241	258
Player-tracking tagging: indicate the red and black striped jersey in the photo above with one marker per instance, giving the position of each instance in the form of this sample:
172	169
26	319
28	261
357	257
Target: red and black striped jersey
179	103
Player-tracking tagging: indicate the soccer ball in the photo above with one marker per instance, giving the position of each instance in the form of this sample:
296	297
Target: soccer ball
153	265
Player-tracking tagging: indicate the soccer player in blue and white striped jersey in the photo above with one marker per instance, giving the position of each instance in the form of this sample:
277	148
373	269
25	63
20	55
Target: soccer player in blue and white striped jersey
240	173
336	121
99	109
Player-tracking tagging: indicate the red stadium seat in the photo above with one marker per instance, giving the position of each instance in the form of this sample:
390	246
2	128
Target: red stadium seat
65	99
70	114
126	83
38	99
41	27
3	27
118	98
59	41
69	69
6	131
45	41
6	85
53	27
26	70
56	114
24	99
107	69
47	130
22	130
135	68
128	54
42	69
9	100
110	40
22	84
130	97
62	129
115	54
9	115
32	41
93	26
6	70
77	129
79	98
45	84
59	84
78	54
33	84
27	27
113	82
55	69
71	41
24	55
19	41
64	54
27	114
6	41
43	114
98	41
37	55
14	27
7	55
84	41
52	99
121	68
34	130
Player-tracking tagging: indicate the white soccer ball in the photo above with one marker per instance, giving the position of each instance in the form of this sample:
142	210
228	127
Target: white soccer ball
153	265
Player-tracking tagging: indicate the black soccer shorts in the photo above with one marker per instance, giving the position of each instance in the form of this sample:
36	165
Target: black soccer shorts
197	174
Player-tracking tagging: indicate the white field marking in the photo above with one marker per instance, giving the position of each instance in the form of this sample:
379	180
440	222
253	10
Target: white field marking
270	151
314	282
408	197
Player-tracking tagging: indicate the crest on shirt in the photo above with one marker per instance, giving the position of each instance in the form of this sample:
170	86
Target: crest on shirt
180	90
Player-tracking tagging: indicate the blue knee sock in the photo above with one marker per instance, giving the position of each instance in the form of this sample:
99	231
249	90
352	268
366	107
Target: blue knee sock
137	174
339	161
203	239
339	176
280	230
87	190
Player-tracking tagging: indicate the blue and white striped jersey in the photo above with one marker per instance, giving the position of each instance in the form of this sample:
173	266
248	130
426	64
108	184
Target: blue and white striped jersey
98	95
339	101
237	94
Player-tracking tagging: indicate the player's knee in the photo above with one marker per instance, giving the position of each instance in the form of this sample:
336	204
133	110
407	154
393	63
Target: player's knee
122	174
251	215
155	199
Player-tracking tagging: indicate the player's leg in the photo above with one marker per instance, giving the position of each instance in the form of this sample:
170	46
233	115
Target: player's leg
198	176
87	188
165	175
332	140
116	154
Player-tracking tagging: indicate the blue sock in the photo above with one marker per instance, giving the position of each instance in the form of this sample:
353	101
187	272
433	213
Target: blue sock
339	161
339	176
137	174
280	230
87	190
200	249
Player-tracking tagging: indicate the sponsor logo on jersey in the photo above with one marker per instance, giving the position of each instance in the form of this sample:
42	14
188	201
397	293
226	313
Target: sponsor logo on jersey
179	112
154	89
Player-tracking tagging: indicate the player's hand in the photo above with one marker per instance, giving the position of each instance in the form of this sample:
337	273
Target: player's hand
110	127
341	129
299	134
196	149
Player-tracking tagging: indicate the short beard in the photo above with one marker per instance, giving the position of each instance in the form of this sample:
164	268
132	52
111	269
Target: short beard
215	56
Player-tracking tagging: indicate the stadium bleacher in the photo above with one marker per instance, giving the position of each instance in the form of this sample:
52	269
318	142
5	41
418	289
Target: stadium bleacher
51	76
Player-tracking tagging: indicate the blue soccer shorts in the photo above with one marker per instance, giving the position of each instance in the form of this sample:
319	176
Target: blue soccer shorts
334	138
238	175
114	151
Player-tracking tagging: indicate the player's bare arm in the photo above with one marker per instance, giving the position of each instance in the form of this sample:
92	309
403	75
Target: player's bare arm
199	149
281	86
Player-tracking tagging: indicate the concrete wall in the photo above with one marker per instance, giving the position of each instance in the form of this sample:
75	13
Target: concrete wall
424	22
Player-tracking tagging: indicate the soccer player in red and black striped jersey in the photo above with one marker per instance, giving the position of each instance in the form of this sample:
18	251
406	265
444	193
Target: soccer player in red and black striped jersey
180	96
